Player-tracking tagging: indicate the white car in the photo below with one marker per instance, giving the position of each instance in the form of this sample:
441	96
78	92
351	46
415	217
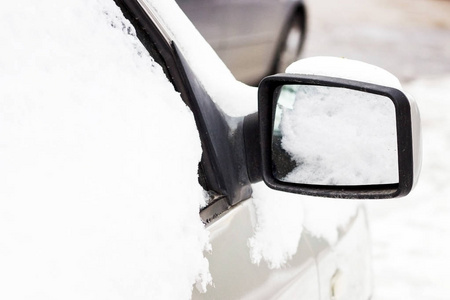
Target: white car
103	179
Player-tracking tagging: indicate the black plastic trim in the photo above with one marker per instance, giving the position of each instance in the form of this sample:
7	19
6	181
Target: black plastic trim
267	103
222	169
252	147
155	43
223	143
214	210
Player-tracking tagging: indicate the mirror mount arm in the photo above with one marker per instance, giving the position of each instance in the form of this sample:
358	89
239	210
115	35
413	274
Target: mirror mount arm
252	143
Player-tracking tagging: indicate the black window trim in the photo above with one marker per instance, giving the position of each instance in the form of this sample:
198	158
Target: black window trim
220	171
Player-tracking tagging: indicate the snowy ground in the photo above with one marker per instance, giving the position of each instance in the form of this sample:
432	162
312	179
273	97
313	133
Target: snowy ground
411	39
411	236
407	38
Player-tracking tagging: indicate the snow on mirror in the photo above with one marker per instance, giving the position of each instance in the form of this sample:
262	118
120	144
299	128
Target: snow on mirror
334	136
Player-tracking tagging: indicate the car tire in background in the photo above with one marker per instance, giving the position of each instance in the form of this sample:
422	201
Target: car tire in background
291	42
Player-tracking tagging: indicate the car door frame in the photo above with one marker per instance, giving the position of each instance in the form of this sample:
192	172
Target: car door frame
222	169
222	199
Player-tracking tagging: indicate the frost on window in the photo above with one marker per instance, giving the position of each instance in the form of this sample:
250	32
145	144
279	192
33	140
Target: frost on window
334	136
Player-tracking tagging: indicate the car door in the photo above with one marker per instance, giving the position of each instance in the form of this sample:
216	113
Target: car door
234	274
229	213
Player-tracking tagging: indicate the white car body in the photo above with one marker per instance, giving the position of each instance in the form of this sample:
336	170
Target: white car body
100	169
319	269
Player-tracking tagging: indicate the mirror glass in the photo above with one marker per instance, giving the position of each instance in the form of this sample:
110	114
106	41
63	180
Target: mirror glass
334	136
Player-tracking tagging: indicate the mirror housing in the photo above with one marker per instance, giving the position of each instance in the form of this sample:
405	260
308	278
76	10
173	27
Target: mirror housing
406	117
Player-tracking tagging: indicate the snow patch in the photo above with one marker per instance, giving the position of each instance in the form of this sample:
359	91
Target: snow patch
338	136
344	68
279	226
97	201
282	217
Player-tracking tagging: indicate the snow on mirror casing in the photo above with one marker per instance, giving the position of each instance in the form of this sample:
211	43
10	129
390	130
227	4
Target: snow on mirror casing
334	136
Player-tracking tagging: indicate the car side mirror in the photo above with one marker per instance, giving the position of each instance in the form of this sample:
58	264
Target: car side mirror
333	137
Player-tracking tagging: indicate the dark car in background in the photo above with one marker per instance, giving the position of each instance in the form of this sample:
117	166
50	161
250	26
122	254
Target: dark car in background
254	38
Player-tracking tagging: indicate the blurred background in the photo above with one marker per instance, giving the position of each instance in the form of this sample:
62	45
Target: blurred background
409	38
